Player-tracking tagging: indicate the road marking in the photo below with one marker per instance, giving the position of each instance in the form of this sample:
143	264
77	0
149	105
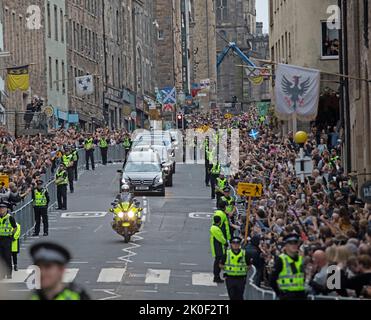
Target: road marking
19	276
70	275
190	293
83	215
188	264
129	251
147	291
152	262
108	291
111	275
100	227
158	276
203	279
201	215
78	262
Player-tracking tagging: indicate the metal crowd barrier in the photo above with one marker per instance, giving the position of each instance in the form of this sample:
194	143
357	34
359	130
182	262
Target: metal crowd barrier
24	214
253	292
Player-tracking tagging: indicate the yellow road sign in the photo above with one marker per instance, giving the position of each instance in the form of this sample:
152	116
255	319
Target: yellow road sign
250	190
4	179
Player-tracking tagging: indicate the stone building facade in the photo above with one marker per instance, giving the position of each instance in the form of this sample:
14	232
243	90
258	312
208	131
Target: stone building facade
235	22
169	37
299	35
356	18
26	44
86	56
203	50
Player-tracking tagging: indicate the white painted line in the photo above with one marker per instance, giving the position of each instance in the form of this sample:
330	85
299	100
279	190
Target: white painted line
152	262
190	293
188	264
18	277
203	279
158	276
100	227
110	275
78	262
70	275
147	291
83	215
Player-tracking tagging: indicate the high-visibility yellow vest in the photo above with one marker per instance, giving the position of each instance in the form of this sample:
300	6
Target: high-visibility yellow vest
229	202
126	144
61	178
66	294
221	183
40	198
6	229
103	143
287	280
75	156
67	160
235	265
15	243
89	144
224	223
216	169
216	233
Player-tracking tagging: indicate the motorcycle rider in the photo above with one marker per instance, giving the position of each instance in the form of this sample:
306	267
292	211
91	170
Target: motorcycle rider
126	196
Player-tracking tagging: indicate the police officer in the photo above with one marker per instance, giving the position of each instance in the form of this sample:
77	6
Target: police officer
288	277
15	247
215	172
103	145
208	158
75	155
235	265
52	259
217	243
230	208
8	227
127	145
221	184
61	180
40	198
224	220
89	151
67	160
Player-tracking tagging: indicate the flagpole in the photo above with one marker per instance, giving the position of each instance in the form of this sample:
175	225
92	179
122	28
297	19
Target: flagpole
294	123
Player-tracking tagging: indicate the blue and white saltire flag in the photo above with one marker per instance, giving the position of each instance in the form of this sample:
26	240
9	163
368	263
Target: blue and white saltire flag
254	134
168	95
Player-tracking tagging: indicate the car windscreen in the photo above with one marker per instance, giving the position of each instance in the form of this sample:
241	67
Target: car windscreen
132	167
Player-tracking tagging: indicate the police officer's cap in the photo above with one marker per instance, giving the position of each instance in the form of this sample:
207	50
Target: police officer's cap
291	238
48	252
4	204
237	240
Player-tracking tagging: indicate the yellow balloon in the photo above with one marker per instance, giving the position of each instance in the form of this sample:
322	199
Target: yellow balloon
301	137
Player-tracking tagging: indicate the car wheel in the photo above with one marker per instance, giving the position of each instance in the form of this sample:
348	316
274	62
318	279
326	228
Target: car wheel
169	182
162	193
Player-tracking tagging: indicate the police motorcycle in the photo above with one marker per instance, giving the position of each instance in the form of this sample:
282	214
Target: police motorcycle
127	219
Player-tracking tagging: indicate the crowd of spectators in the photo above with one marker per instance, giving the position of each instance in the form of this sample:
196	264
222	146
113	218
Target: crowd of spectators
25	159
333	223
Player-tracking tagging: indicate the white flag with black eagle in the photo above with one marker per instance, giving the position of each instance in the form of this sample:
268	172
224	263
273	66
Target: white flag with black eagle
297	90
84	85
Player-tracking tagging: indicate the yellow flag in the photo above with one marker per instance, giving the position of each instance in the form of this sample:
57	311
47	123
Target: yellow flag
257	81
18	78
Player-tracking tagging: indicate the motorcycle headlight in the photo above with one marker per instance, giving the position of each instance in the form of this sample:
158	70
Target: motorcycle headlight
166	168
121	215
131	214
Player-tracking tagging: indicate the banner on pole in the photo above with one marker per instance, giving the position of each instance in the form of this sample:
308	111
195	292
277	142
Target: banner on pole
297	92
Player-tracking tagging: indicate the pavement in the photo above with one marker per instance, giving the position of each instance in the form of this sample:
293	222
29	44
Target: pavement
169	259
